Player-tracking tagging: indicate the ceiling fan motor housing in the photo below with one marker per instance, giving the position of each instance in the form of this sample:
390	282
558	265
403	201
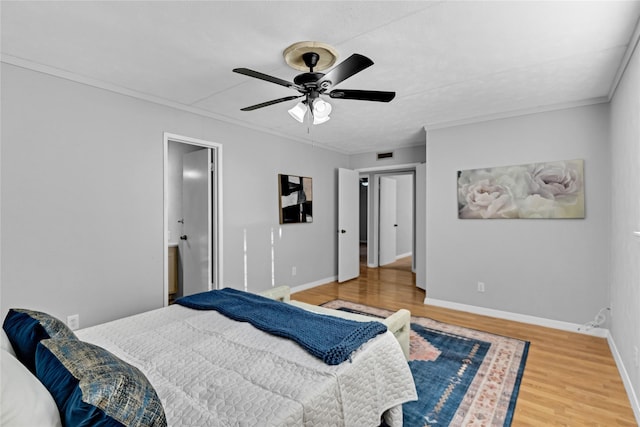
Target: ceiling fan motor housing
310	59
308	79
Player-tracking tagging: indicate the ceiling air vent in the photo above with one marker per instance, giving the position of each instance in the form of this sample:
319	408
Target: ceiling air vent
388	155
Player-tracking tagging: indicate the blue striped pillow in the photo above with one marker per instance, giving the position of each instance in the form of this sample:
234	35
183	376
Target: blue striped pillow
93	387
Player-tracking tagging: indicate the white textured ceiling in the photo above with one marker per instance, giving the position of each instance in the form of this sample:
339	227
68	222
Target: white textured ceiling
448	61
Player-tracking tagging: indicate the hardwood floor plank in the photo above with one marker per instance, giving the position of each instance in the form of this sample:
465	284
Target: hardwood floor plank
570	379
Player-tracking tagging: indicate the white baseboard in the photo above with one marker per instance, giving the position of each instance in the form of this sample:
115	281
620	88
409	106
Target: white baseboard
517	317
633	397
310	285
404	255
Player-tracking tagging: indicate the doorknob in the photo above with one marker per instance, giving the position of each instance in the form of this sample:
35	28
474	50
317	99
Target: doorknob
395	225
183	237
343	231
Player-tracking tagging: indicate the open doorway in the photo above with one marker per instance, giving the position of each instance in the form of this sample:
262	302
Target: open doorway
399	252
192	216
359	204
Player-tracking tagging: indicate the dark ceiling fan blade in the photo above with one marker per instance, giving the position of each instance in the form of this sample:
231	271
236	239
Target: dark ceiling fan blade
362	95
266	77
275	101
347	68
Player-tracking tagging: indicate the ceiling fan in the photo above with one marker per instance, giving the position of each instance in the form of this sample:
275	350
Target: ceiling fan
312	84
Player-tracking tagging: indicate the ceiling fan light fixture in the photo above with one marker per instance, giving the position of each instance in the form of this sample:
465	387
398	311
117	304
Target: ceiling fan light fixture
321	111
317	121
298	111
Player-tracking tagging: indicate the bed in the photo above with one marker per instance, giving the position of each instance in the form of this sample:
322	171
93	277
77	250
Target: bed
207	369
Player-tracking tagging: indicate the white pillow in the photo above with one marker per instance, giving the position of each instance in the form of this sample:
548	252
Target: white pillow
5	344
24	401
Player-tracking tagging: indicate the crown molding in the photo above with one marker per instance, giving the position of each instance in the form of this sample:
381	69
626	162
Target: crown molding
631	47
77	78
515	113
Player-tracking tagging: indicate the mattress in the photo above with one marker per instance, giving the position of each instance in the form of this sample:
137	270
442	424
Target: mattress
210	370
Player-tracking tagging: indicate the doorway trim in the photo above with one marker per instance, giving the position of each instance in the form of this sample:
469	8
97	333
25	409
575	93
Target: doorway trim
374	206
215	266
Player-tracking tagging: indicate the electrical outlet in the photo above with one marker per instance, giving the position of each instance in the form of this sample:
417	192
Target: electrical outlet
73	322
293	271
480	286
636	362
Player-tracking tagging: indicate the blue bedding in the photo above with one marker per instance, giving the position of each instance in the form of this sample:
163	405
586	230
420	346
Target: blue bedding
329	338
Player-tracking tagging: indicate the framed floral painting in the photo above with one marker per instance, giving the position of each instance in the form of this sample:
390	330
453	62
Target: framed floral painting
536	190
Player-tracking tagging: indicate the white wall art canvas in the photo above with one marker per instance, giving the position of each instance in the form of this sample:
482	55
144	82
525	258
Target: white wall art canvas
536	190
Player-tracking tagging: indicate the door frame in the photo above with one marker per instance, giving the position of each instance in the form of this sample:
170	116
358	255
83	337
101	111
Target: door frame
215	204
374	206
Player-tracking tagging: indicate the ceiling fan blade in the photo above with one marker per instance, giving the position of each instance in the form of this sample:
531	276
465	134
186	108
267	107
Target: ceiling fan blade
275	101
265	77
347	68
362	95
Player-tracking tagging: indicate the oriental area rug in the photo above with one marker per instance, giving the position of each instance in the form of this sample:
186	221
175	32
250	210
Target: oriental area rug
464	377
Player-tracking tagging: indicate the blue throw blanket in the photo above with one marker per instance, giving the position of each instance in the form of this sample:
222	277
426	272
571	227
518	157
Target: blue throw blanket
329	338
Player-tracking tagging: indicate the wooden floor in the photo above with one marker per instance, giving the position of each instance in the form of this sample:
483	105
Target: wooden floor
570	379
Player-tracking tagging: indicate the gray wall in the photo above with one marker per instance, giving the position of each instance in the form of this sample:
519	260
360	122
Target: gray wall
82	200
554	269
625	207
401	156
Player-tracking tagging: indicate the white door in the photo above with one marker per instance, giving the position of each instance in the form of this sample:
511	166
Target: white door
388	224
348	227
195	241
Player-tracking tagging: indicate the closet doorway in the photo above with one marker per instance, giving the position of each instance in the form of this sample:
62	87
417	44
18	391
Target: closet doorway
192	216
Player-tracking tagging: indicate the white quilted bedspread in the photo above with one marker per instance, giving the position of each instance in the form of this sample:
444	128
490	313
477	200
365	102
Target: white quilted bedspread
209	370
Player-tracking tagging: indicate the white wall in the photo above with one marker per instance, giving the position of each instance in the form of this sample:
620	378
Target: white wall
81	213
553	269
625	208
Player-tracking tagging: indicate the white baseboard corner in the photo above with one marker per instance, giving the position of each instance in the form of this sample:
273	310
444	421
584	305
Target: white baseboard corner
517	317
626	380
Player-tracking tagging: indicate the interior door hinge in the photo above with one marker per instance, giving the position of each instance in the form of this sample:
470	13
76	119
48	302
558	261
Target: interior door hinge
212	167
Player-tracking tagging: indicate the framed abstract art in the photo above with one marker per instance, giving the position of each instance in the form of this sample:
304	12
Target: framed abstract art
295	199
